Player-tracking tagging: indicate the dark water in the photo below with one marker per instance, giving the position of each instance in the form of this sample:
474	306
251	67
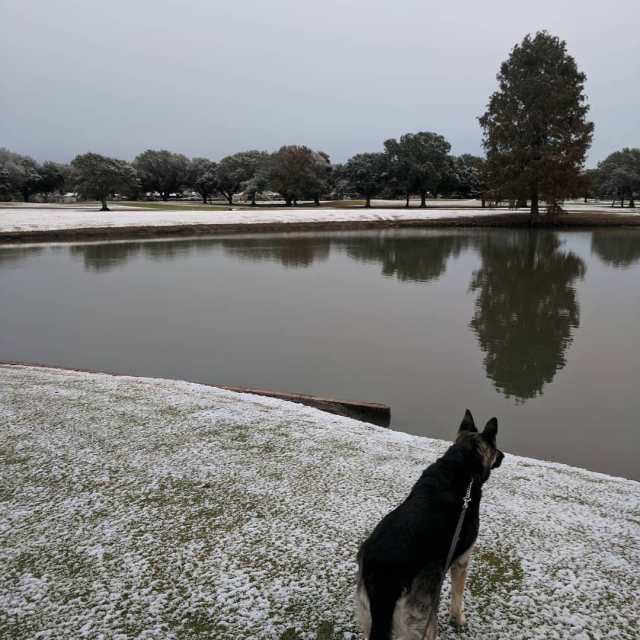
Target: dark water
541	328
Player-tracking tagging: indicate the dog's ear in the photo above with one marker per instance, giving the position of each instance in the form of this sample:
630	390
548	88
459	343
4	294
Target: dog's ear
467	423
491	431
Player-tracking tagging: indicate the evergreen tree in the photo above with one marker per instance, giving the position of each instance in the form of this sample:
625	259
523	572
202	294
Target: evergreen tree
535	129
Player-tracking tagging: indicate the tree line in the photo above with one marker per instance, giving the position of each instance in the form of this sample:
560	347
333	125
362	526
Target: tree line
415	164
535	135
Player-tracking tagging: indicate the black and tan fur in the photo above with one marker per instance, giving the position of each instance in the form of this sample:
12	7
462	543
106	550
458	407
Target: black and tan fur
401	562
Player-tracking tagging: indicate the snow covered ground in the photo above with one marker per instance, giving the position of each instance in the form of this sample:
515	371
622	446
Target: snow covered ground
21	219
40	219
140	508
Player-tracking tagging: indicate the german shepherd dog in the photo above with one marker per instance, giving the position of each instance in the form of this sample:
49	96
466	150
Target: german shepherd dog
401	564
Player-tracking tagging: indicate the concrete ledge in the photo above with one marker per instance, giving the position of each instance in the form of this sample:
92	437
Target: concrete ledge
372	412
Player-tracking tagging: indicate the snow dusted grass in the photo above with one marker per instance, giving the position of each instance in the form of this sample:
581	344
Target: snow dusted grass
139	508
72	217
23	219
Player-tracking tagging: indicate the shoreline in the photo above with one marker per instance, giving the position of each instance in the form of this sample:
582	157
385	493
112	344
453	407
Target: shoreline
374	413
575	220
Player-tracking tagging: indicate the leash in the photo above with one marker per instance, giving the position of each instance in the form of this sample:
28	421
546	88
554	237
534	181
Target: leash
454	543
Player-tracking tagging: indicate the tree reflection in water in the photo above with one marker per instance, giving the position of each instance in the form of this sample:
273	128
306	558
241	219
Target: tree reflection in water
619	248
526	309
291	251
105	256
407	257
12	254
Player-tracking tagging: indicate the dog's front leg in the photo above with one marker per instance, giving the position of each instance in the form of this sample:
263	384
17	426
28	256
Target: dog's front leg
458	576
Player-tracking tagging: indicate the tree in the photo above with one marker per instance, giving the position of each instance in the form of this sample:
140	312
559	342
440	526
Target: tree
53	177
420	161
535	129
20	174
238	170
470	173
590	184
619	175
368	174
294	171
257	172
99	177
339	186
319	176
162	171
5	183
202	177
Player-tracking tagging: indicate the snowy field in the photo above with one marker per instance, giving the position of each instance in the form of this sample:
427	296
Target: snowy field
22	219
42	219
140	508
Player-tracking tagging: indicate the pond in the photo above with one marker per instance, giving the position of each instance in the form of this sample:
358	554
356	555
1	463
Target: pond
540	328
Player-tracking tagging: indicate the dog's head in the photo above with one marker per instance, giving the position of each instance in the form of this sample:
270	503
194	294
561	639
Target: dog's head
482	444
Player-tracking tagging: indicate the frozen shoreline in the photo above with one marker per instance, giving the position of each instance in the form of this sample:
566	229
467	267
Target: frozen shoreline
135	507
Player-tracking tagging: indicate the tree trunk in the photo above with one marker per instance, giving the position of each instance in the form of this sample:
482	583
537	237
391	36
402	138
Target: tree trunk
164	195
204	198
316	201
104	204
229	197
632	203
535	209
367	204
253	199
288	202
407	203
484	202
423	200
521	202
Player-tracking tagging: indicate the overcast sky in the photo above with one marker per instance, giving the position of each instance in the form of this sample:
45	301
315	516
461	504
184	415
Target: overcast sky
211	77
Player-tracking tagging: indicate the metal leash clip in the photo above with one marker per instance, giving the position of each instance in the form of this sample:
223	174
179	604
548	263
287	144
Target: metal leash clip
467	498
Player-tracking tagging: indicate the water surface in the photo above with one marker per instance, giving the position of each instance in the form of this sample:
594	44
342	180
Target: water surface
539	328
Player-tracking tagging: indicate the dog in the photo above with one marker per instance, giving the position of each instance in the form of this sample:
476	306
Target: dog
401	564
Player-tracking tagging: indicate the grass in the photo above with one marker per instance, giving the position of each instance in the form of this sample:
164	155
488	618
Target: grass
174	205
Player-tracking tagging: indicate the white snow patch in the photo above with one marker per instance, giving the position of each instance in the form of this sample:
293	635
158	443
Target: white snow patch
25	219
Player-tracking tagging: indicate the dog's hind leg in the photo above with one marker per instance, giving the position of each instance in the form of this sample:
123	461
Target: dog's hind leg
458	576
363	609
416	616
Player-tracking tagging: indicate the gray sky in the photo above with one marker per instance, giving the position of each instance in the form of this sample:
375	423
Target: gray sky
211	77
